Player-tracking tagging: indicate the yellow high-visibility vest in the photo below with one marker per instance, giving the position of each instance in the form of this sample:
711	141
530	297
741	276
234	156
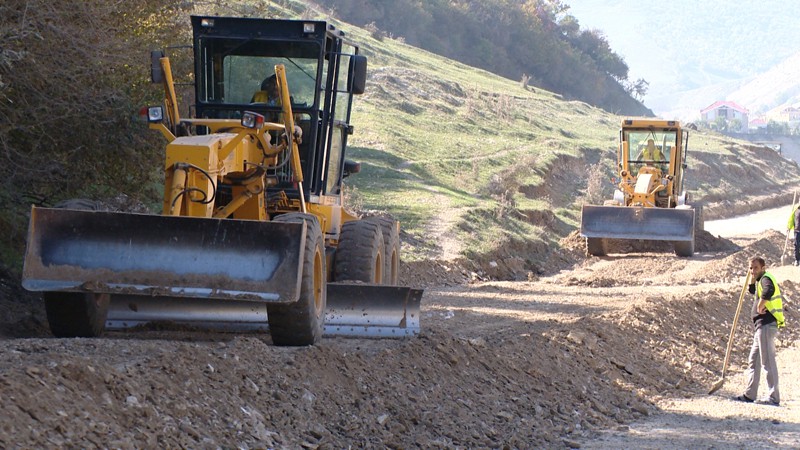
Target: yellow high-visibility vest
790	225
775	304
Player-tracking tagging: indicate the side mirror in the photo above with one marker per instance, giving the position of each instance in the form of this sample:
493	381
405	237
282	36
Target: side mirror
357	81
156	74
350	167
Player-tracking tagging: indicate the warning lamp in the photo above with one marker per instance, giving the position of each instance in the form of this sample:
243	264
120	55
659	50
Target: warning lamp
252	120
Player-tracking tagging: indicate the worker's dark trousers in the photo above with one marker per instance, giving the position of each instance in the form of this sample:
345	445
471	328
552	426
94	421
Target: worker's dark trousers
796	246
762	355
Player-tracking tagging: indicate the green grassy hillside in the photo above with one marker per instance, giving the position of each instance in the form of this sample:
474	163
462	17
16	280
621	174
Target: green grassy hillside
534	38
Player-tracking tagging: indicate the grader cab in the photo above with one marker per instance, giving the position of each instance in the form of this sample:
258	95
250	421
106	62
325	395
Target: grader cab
254	233
650	202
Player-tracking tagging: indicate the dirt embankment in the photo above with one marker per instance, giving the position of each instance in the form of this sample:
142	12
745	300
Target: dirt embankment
532	364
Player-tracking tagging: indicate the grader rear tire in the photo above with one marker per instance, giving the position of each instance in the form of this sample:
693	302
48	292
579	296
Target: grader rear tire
82	204
76	314
302	322
359	256
391	248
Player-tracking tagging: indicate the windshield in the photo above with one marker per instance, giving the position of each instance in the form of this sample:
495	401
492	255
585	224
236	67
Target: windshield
649	147
236	71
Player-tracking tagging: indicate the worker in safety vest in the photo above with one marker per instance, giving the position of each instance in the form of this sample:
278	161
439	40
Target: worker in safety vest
794	225
767	314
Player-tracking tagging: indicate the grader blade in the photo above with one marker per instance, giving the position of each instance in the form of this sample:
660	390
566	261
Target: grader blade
353	310
621	222
150	255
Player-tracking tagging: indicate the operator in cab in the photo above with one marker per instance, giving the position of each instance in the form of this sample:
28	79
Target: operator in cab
269	93
270	96
651	153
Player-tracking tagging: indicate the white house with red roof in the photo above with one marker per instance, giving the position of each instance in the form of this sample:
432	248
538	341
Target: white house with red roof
759	123
726	110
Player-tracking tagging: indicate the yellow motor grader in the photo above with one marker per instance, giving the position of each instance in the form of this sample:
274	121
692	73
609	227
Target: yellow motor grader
253	234
650	203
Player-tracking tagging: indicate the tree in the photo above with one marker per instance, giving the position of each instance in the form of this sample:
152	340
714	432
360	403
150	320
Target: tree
637	89
720	124
72	77
777	128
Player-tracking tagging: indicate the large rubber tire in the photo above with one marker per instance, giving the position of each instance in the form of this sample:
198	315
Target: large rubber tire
684	249
78	203
391	248
302	322
76	314
359	255
596	247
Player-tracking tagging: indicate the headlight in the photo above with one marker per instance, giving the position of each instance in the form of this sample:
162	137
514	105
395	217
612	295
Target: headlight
252	120
155	114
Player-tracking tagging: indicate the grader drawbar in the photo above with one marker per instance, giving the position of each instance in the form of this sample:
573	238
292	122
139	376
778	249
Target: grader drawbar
254	232
209	273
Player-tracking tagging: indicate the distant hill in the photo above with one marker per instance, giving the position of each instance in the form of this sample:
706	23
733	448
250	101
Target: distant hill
766	94
511	39
694	53
773	90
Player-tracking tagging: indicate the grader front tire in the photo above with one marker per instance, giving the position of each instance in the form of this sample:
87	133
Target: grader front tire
684	249
596	246
302	322
76	314
360	253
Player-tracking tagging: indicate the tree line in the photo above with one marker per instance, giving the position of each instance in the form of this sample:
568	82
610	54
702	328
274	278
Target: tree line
535	39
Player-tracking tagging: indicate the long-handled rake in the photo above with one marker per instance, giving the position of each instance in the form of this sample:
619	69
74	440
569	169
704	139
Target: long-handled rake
784	257
721	381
